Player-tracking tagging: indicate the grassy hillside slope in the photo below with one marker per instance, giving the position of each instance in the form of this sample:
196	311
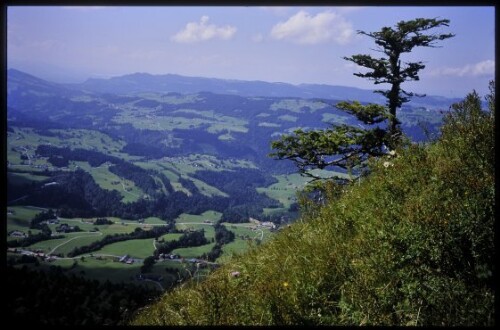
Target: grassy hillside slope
411	244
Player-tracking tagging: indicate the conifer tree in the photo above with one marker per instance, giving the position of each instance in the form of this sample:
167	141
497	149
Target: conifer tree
347	146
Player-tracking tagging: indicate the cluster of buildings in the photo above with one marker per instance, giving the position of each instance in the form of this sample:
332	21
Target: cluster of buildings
126	259
266	224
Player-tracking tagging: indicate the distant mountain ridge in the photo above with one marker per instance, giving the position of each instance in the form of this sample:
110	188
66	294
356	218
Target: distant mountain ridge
145	82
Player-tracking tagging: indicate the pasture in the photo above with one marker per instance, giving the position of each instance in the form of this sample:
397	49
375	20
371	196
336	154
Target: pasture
146	118
66	244
297	105
193	218
193	252
19	217
135	248
110	181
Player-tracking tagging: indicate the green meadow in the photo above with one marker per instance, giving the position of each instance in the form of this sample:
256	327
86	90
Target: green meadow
110	181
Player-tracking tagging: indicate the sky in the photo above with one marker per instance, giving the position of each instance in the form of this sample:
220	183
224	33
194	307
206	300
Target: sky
276	44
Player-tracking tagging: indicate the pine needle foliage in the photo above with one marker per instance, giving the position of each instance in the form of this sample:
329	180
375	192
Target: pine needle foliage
412	244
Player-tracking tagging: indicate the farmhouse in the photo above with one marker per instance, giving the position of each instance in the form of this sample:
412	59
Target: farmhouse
268	224
17	233
64	228
252	220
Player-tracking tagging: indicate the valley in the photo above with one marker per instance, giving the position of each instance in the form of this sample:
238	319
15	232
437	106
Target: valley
154	186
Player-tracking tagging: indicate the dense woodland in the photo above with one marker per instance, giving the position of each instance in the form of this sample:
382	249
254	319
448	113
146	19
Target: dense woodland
51	297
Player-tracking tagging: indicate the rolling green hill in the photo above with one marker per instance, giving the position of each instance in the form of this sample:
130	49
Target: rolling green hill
410	244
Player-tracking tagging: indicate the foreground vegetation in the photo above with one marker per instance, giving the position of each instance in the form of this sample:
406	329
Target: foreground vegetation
410	244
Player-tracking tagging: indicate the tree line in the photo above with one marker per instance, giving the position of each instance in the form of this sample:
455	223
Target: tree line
138	233
222	236
189	239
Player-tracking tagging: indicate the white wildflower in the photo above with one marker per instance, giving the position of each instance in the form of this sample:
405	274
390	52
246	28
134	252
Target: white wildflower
387	164
392	152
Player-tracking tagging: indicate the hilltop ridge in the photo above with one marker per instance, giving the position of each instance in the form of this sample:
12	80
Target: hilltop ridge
140	82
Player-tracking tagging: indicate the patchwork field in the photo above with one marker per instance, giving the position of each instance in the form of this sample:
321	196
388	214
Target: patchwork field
110	181
194	252
135	248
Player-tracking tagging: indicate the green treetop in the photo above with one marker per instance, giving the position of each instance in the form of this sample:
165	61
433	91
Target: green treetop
347	146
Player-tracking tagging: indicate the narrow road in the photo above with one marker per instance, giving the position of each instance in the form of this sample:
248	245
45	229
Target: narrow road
18	199
73	238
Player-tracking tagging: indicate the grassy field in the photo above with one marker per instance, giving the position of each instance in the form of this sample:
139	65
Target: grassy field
154	220
110	181
170	98
69	242
333	118
243	231
120	226
171	236
193	218
194	252
24	178
183	166
297	106
245	237
73	138
209	230
237	247
267	124
20	218
146	118
136	248
288	118
206	189
285	189
106	269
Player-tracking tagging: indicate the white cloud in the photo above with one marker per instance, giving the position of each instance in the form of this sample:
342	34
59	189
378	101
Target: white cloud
202	31
483	68
304	28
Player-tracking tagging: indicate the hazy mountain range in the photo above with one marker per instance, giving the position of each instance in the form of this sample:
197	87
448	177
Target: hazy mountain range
145	82
142	82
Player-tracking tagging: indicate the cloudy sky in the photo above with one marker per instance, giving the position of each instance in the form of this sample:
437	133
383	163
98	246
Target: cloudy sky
276	44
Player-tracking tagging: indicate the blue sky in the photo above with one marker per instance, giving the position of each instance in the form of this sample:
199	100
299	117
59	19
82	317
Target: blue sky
277	44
